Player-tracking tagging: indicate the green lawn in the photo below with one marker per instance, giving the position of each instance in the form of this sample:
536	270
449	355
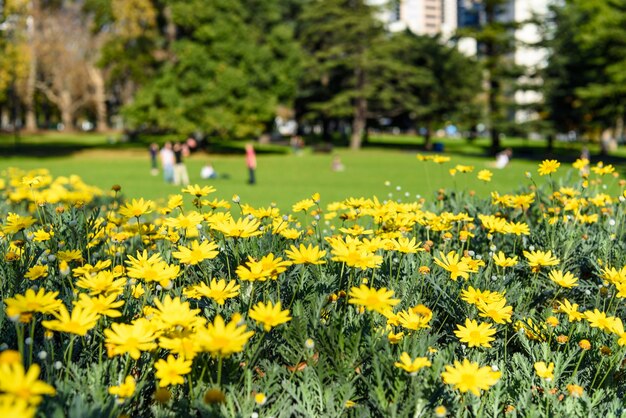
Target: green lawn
285	179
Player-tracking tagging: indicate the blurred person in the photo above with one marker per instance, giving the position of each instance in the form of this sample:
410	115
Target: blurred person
208	172
503	158
167	162
251	163
154	151
181	177
337	165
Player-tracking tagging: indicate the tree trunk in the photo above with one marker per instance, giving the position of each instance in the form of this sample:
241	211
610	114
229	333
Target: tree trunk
428	141
360	112
495	140
493	111
67	112
29	98
550	142
99	98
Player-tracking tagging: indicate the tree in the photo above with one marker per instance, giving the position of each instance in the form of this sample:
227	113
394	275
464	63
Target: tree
496	45
603	36
340	37
130	54
64	46
584	80
229	72
426	80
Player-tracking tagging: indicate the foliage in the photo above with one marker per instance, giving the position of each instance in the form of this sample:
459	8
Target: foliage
584	76
229	71
418	78
496	45
342	39
360	281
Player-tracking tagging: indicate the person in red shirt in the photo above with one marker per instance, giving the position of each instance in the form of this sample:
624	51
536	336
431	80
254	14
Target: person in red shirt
251	163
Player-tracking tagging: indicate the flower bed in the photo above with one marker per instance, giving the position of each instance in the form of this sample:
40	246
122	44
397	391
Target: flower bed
458	306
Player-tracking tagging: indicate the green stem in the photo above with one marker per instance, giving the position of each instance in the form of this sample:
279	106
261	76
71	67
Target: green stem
597	372
293	297
582	354
219	370
32	341
68	359
20	338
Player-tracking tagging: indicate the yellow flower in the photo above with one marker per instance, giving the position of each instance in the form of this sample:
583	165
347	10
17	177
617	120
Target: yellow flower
474	296
580	164
242	228
24	385
584	345
136	208
451	263
395	338
102	305
537	259
548	167
174	201
260	399
174	314
411	366
600	320
415	318
468	376
124	390
503	261
151	269
196	190
33	302
219	291
497	311
185	346
36	272
571	310
15	223
269	315
70	255
484	175
379	300
545	371
566	280
306	255
268	267
303	205
221	339
42	236
354	254
130	338
79	322
171	371
197	253
11	406
575	391
103	282
406	246
475	334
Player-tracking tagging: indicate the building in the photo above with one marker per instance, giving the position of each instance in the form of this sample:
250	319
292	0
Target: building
444	17
422	17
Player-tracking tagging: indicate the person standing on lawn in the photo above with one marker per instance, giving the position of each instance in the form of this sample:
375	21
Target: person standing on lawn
250	163
154	151
181	177
167	162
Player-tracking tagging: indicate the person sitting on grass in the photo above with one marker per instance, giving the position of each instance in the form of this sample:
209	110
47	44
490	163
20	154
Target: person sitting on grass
208	172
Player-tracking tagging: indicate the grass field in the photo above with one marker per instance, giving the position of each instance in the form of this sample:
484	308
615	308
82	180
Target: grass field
285	179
